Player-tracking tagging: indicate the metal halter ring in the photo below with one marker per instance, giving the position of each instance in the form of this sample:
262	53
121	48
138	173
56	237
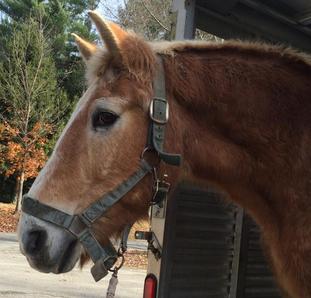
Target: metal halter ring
120	255
147	149
151	150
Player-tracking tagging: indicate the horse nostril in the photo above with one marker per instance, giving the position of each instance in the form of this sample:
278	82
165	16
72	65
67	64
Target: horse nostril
34	242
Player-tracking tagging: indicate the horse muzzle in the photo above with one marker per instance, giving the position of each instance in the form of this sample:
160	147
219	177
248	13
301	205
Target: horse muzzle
47	247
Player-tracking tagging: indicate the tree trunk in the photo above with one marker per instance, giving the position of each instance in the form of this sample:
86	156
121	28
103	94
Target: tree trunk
19	192
16	191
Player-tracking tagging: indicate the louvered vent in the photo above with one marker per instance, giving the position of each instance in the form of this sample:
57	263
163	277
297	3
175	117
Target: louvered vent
202	252
255	277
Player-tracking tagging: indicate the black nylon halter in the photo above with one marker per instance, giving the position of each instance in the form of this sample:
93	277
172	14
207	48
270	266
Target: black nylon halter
79	225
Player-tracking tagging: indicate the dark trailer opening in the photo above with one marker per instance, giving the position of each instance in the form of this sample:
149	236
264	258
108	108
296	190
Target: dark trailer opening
276	21
209	248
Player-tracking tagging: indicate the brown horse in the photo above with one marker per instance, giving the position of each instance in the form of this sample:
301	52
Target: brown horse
240	115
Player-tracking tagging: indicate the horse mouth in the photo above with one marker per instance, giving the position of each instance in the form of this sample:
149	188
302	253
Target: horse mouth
69	258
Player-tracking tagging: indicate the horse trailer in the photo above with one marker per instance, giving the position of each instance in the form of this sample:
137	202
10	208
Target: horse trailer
199	244
202	246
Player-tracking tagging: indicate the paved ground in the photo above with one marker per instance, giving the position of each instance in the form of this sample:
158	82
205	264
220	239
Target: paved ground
18	280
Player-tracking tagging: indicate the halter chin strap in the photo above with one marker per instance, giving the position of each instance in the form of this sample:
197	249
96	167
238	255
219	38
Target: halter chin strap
80	225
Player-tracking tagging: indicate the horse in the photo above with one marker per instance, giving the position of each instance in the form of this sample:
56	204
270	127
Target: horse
240	116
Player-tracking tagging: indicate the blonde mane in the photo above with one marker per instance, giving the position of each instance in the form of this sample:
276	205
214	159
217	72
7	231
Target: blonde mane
170	48
101	58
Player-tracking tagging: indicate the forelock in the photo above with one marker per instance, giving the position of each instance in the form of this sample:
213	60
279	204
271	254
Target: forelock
97	64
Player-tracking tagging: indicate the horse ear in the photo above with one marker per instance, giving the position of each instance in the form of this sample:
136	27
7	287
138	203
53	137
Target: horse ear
86	48
111	34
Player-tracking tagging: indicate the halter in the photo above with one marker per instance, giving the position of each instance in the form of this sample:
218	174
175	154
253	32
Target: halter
80	225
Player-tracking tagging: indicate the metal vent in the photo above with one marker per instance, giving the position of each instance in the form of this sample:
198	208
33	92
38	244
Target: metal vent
211	250
198	244
255	277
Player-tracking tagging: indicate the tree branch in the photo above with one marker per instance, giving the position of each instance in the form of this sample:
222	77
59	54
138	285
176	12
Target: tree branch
109	11
154	17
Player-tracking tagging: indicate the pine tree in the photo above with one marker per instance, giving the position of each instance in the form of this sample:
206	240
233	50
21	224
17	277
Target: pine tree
59	19
31	102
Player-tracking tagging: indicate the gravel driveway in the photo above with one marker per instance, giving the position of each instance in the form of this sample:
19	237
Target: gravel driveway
18	280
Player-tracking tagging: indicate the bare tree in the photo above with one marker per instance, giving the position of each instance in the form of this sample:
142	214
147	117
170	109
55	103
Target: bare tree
149	18
152	19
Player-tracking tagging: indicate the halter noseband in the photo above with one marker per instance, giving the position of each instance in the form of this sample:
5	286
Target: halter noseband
80	225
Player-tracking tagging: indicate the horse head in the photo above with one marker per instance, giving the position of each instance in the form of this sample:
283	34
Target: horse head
100	147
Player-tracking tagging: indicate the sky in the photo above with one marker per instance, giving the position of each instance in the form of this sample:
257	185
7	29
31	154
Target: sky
112	5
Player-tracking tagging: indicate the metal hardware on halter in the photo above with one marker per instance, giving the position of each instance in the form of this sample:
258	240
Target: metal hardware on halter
114	278
160	188
163	114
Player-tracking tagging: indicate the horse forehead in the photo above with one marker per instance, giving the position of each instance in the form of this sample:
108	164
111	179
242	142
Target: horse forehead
98	89
86	98
81	109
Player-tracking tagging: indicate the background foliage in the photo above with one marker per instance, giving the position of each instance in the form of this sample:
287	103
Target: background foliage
41	77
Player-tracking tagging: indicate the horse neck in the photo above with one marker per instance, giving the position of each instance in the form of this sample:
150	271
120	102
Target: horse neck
240	118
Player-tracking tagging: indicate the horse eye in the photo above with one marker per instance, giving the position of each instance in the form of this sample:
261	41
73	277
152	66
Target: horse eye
104	119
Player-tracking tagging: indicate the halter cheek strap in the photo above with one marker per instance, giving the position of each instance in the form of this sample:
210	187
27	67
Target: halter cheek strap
159	114
80	225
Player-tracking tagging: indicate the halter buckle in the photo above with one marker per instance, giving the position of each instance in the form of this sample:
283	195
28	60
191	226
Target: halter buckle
159	110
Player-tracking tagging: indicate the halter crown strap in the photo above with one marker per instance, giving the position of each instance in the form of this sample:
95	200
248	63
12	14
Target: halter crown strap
159	114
